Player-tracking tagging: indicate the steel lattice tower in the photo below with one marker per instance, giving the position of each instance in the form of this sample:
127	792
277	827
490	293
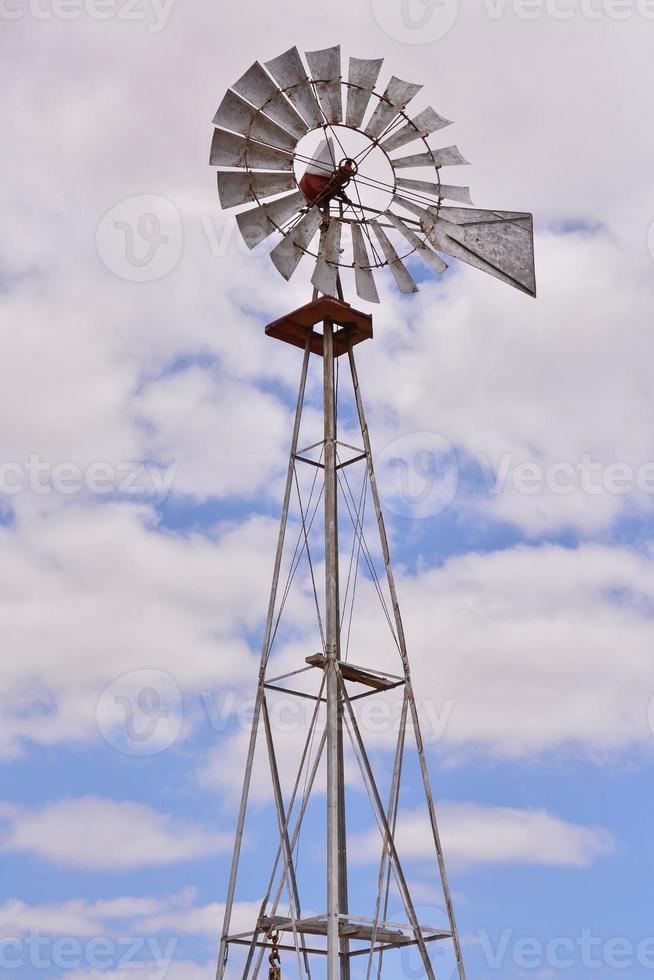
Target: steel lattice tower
257	147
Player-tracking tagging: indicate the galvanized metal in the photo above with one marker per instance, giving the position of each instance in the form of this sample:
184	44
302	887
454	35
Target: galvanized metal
243	188
325	274
389	842
399	626
401	274
398	94
424	124
286	256
325	68
259	223
362	78
257	87
450	192
310	781
229	150
424	251
265	652
383	879
289	73
294	895
363	275
500	243
332	651
260	121
447	156
239	116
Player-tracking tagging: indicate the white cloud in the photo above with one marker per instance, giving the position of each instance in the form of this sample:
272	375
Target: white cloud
81	917
145	916
204	920
474	834
185	411
544	382
97	834
459	359
93	592
527	651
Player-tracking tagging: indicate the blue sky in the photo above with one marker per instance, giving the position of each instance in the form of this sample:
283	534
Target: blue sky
145	434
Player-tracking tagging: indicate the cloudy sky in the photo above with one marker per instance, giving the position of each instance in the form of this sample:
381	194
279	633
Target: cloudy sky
145	425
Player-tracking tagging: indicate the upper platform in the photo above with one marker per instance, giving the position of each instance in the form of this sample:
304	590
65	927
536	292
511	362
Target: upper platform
355	326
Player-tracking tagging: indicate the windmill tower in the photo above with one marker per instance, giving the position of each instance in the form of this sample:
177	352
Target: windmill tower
317	155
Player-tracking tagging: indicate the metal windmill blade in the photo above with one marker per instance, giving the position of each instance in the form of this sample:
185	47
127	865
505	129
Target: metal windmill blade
259	223
290	74
424	251
229	150
325	274
363	274
325	67
401	274
361	82
398	94
243	188
425	124
282	182
259	89
426	189
447	156
287	254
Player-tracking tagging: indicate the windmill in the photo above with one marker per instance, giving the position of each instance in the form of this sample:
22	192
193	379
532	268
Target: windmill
340	177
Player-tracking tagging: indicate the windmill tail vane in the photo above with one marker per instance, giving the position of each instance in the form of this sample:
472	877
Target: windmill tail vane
322	165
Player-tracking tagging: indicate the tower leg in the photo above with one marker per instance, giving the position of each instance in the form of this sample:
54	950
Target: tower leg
337	949
399	626
231	888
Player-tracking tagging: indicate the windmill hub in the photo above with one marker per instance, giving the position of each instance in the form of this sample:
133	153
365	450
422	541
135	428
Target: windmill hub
345	165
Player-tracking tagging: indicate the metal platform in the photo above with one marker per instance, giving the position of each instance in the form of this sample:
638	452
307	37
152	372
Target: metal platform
355	327
380	935
359	675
